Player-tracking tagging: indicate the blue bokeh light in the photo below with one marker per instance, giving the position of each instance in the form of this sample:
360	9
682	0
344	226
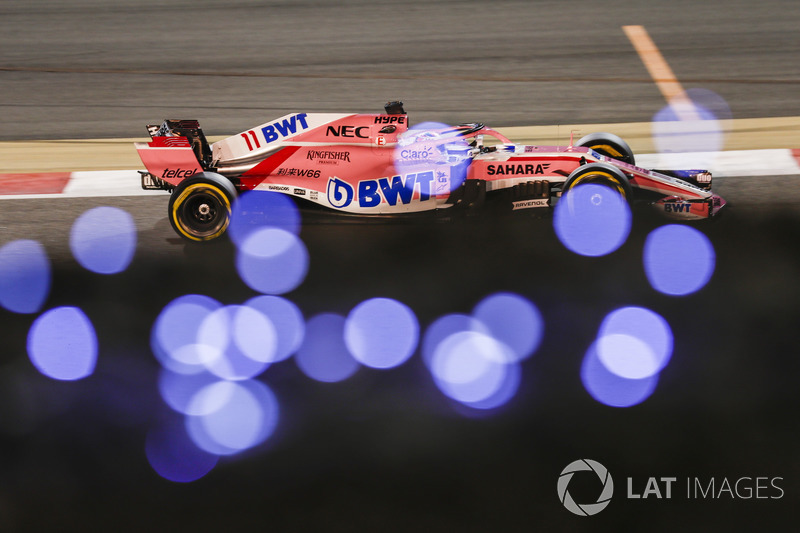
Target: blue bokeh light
323	356
178	390
174	337
25	276
103	240
236	416
270	408
288	321
472	368
611	389
711	102
62	344
381	333
634	342
691	123
231	415
174	456
443	327
242	340
435	148
592	220
627	356
513	320
272	261
678	260
504	391
255	210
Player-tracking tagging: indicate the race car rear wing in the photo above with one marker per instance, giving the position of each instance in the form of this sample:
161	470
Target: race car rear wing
178	149
190	129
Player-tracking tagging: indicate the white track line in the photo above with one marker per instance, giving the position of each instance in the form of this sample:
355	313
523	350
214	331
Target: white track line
662	74
733	163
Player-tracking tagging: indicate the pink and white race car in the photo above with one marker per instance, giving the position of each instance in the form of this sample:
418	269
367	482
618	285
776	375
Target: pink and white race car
376	164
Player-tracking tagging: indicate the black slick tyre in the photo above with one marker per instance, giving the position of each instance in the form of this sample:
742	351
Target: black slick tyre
608	145
200	207
600	174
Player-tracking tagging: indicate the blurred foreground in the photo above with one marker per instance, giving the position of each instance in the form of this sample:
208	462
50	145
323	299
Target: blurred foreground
386	446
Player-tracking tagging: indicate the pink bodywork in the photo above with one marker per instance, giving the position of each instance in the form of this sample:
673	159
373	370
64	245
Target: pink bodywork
169	158
363	163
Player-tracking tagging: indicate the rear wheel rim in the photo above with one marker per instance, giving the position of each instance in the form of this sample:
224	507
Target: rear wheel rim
203	213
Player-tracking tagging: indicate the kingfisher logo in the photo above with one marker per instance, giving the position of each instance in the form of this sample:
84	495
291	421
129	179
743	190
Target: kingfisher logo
594	468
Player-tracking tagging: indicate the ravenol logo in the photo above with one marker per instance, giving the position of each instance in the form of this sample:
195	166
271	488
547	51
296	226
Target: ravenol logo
585	509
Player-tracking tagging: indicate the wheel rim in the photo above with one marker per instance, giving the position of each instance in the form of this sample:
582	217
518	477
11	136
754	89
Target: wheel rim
607	149
600	178
202	212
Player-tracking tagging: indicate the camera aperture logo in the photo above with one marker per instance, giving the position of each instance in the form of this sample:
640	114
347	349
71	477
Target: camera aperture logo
585	465
697	489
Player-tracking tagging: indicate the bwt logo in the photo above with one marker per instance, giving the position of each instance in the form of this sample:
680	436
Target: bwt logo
394	190
585	509
284	127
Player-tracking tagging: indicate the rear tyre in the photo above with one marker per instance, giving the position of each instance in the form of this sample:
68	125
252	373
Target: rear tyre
200	207
608	145
600	174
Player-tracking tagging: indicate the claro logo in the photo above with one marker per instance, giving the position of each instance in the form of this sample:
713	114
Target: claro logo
590	467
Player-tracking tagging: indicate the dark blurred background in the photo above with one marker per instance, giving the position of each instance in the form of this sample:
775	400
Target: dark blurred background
385	449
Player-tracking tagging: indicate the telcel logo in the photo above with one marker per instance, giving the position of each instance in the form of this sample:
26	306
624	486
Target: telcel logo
177	173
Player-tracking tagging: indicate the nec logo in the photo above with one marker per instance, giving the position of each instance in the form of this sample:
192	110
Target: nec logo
348	131
284	128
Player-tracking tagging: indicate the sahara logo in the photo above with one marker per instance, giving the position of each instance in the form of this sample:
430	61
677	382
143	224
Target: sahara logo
517	169
585	509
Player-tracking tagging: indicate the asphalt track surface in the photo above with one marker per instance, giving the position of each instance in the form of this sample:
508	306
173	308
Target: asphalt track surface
384	450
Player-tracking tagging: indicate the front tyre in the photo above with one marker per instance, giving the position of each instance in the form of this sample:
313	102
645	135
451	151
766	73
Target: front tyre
200	206
609	145
600	174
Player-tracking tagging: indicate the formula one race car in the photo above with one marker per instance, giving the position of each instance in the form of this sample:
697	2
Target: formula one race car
377	164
